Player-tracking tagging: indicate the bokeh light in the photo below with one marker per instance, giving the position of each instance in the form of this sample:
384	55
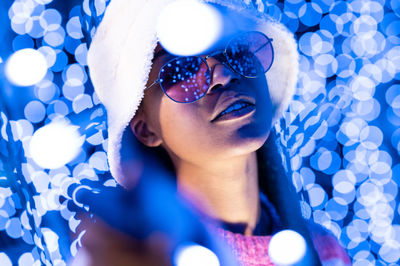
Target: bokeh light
287	247
358	61
192	254
26	67
4	259
55	144
188	27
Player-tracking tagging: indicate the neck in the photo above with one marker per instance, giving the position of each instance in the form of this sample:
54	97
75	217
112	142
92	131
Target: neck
225	190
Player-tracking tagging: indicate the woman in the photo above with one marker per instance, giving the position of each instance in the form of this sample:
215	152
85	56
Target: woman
210	116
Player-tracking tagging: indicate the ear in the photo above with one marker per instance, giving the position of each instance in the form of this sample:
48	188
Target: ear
143	133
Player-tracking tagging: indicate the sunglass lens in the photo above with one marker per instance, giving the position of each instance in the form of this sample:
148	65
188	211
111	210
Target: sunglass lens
250	54
185	79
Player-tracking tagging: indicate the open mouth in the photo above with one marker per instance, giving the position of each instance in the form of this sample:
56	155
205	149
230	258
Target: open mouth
235	110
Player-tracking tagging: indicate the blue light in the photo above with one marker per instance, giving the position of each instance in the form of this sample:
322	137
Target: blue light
35	111
21	42
52	19
365	25
339	8
57	108
393	28
310	14
321	217
81	54
394	56
99	161
73	88
387	68
55	38
368	110
75	72
21	129
307	176
337	209
13	228
326	65
390	253
357	230
46	91
50	55
71	44
82	102
317	196
371	71
292	24
395	6
395	139
35	26
325	5
275	12
346	65
290	8
26	259
74	28
294	1
371	137
40	180
328	23
4	259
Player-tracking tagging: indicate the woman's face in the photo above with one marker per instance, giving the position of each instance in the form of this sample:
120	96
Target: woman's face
190	131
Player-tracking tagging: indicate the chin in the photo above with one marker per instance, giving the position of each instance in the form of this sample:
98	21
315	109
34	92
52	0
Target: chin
255	131
249	144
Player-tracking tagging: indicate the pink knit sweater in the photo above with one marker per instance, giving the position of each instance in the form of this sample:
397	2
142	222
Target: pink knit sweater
253	250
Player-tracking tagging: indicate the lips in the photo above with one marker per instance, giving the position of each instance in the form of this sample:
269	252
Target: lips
233	106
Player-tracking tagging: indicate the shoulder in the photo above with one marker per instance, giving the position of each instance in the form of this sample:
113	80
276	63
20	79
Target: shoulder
327	246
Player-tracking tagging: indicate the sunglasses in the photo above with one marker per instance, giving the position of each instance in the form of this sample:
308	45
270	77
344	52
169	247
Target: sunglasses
187	79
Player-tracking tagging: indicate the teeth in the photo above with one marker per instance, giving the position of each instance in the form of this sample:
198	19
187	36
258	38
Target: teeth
234	107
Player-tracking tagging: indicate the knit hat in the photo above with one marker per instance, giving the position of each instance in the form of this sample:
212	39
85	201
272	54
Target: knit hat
122	49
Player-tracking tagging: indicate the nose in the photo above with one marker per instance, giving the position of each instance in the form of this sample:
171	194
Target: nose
221	75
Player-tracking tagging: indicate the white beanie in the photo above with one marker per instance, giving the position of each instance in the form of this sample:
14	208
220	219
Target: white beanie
121	53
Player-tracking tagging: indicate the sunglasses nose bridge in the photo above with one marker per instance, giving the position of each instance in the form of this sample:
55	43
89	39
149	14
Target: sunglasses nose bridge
221	74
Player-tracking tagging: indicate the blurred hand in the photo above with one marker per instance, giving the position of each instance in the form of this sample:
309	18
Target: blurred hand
142	226
103	245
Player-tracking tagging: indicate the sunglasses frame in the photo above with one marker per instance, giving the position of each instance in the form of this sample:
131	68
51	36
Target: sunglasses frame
225	63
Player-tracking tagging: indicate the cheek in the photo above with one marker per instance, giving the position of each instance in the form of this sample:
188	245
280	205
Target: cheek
182	127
